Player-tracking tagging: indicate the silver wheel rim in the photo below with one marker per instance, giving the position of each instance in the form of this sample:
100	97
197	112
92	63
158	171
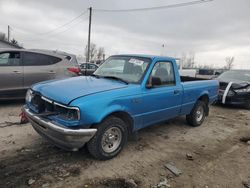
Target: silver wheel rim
199	113
111	139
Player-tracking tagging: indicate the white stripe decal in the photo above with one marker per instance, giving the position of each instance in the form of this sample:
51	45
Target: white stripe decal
226	92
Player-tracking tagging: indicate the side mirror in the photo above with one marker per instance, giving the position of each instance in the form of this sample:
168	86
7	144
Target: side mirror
156	81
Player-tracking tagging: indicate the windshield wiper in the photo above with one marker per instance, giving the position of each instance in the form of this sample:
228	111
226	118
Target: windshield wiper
115	78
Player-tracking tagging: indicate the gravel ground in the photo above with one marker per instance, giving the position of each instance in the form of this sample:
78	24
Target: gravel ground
213	155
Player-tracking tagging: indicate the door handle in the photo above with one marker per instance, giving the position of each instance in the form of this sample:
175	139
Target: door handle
52	72
17	72
176	92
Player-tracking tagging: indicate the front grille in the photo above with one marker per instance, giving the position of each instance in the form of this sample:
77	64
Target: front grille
41	105
47	107
38	103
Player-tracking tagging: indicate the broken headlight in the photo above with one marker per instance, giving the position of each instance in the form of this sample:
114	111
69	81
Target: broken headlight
230	93
245	90
67	112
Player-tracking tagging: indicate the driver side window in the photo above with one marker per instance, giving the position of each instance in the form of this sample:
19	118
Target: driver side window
162	75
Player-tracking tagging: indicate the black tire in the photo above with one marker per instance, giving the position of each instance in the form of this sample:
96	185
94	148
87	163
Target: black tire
192	118
95	145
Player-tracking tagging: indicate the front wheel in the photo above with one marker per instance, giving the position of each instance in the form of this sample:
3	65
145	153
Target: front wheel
109	140
198	114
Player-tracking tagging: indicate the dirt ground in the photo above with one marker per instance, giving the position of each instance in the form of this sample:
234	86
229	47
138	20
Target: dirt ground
220	159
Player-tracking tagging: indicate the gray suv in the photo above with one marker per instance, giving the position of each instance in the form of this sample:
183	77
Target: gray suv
19	69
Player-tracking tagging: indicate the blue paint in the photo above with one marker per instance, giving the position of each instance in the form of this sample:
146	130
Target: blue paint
99	97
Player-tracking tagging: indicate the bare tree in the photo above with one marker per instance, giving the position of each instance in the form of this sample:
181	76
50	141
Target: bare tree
187	61
100	53
93	52
14	41
229	62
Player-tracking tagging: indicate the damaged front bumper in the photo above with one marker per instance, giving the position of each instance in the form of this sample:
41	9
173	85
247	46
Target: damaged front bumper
240	100
234	94
61	136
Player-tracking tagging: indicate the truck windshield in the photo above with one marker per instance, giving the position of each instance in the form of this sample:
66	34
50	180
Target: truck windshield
128	68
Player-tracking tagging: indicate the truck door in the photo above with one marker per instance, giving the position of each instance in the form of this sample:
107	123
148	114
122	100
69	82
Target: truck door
37	68
11	74
162	95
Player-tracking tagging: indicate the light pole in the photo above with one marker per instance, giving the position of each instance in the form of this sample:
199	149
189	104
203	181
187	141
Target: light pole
89	43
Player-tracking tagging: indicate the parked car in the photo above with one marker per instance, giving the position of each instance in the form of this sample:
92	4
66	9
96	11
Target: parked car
103	109
88	68
19	69
209	73
235	88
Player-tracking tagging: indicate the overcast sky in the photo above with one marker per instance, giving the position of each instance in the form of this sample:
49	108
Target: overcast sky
212	30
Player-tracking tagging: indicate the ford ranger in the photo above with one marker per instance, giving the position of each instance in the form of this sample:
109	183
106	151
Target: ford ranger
125	94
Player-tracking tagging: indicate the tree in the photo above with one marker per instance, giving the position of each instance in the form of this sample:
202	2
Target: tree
229	62
13	41
93	52
187	61
100	53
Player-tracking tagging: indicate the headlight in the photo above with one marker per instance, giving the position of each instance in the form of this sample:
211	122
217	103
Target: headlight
72	114
29	95
67	112
230	93
243	90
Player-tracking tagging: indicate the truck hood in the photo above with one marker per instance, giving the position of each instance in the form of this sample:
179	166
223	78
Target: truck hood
232	80
66	90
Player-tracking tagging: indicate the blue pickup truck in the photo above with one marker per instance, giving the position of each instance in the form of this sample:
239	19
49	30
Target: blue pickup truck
125	94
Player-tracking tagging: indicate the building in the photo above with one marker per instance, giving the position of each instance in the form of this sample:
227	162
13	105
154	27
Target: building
6	44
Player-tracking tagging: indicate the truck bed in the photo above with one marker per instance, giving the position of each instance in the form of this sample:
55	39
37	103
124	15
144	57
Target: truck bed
193	88
189	79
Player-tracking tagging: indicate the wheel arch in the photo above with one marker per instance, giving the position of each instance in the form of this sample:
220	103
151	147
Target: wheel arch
125	116
205	99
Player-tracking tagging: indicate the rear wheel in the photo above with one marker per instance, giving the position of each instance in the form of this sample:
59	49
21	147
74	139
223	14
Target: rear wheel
109	140
198	114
